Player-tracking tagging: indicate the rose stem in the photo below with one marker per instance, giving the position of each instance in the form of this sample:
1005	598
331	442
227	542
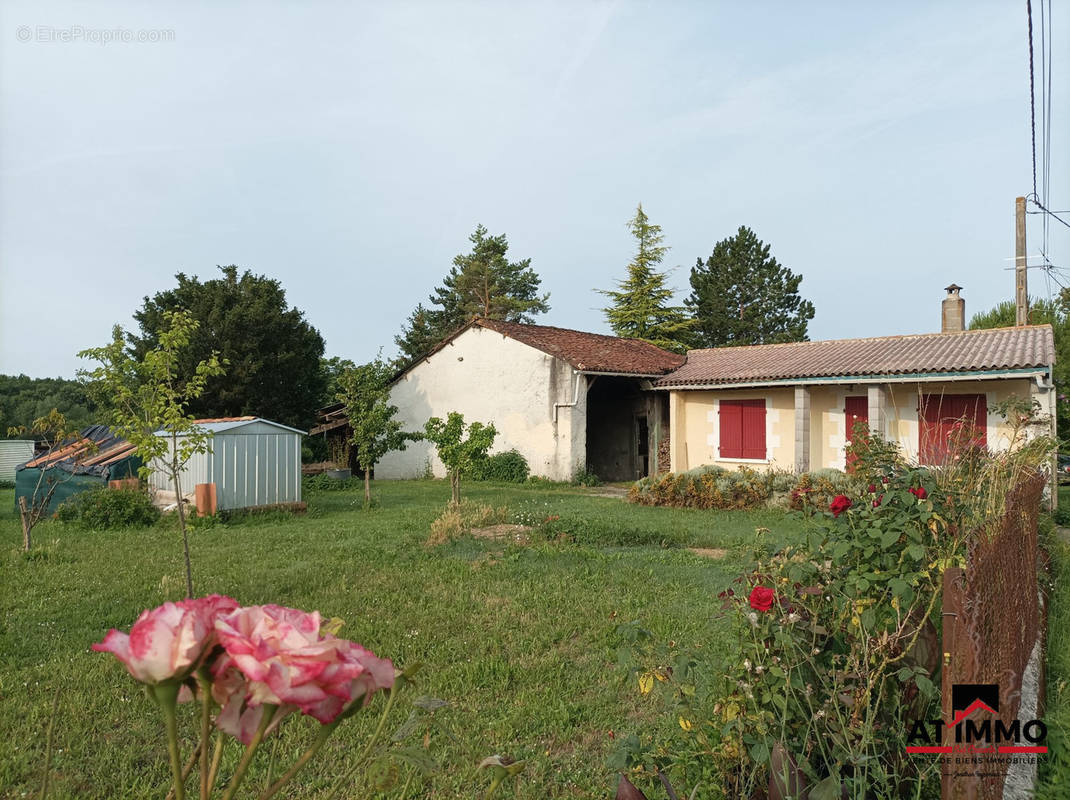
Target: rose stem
247	756
321	737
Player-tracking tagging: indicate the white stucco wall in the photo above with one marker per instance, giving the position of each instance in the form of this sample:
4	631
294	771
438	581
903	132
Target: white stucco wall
488	377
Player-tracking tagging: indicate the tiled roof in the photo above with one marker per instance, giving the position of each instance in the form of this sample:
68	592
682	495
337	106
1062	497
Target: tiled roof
590	352
968	351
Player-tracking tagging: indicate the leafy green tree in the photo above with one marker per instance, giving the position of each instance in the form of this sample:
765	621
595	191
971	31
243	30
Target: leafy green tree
742	295
459	446
25	400
1041	312
273	352
365	391
640	307
482	283
152	393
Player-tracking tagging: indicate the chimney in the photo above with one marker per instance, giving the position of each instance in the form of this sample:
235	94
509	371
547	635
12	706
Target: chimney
953	313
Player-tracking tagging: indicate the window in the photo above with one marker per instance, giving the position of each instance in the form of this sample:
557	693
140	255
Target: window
742	429
946	421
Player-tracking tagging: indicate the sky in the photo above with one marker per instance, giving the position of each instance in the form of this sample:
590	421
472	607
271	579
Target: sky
349	150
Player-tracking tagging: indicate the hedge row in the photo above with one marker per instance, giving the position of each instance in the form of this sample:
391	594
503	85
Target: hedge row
715	487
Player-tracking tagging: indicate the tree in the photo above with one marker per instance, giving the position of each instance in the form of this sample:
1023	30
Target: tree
481	283
24	401
365	391
640	306
273	352
57	432
150	394
1041	312
742	295
457	451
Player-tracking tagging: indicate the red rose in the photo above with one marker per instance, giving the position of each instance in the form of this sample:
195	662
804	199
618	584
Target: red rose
872	488
839	504
877	502
761	598
919	493
884	479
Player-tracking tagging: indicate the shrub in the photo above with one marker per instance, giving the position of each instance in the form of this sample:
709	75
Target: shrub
581	477
104	508
325	483
507	467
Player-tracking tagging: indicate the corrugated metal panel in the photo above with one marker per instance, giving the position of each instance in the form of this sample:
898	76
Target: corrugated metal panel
248	469
12	453
197	470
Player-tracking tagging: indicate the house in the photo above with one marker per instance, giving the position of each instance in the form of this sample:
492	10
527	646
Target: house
566	400
88	461
795	406
252	462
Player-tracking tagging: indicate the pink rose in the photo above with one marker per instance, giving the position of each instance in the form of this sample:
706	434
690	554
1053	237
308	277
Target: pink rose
168	642
287	661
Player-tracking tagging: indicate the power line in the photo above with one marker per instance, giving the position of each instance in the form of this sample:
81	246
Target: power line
1036	201
1032	97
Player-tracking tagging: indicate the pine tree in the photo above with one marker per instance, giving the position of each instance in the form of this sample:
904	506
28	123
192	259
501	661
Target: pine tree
742	295
481	283
640	307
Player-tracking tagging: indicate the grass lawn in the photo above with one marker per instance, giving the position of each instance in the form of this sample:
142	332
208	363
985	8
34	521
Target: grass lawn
519	639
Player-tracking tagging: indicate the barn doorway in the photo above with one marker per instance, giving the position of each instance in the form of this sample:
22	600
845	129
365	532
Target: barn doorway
618	429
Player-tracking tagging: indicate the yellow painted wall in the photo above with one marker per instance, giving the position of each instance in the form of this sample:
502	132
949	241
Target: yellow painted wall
693	420
694	429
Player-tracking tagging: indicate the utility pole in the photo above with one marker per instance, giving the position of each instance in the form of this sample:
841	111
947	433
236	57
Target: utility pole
1021	294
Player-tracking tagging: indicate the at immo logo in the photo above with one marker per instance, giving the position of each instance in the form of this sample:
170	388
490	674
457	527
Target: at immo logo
977	726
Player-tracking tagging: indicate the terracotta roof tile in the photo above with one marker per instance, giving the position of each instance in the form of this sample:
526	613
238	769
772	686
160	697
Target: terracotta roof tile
968	351
590	352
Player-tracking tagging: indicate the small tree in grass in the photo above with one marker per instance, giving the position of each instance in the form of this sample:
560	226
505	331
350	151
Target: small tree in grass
456	450
365	392
57	433
149	395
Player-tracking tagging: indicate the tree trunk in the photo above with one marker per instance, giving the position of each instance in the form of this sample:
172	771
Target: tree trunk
367	487
455	486
27	523
176	481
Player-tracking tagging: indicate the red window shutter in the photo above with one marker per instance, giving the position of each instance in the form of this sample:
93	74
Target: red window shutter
730	417
941	419
742	426
754	429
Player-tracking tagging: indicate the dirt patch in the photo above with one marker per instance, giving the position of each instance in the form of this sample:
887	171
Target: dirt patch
709	552
502	533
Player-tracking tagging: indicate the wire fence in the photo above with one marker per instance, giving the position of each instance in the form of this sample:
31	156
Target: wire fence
992	619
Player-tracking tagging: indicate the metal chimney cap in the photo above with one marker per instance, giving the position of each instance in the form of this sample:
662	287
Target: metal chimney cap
953	289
